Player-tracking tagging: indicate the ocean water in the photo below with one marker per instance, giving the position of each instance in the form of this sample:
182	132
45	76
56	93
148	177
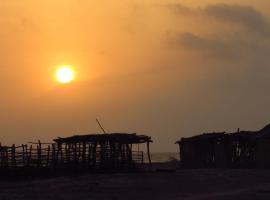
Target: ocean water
163	156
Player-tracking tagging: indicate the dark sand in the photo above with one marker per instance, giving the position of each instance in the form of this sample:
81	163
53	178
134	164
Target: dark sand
182	184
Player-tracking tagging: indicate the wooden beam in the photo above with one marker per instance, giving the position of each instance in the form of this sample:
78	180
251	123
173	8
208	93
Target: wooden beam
148	153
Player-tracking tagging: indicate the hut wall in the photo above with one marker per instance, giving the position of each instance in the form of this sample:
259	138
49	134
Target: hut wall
220	160
262	155
188	155
238	150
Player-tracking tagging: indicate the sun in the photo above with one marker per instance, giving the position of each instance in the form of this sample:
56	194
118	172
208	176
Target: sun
64	74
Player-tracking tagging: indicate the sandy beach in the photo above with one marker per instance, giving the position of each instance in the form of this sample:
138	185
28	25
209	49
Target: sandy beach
181	184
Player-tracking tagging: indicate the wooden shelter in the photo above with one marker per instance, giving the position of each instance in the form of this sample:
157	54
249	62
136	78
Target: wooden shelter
103	151
113	151
242	149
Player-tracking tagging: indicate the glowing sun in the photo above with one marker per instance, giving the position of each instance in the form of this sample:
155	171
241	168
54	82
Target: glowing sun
64	74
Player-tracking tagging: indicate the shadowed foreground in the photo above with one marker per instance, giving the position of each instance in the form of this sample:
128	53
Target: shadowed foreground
184	184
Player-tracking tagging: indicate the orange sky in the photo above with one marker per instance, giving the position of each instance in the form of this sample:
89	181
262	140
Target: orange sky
164	68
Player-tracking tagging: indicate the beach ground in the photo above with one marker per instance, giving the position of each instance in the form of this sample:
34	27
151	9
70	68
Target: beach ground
194	184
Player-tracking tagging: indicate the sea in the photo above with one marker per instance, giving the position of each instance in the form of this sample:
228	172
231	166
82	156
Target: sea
160	157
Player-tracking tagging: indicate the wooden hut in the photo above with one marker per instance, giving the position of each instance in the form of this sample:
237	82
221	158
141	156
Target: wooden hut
242	149
262	152
113	151
102	151
199	151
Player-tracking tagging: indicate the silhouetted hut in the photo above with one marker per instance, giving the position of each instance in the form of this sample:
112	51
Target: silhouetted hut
262	154
103	151
242	149
199	151
113	151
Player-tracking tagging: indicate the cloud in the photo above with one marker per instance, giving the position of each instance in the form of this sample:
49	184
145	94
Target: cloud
195	42
215	47
180	9
248	41
245	16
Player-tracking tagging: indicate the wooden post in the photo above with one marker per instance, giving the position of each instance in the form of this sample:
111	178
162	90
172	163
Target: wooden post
113	154
180	159
75	153
148	153
95	155
84	153
1	155
129	154
66	154
57	154
26	154
13	155
53	155
7	162
142	157
121	153
89	155
61	153
30	156
101	153
23	155
39	153
79	153
48	156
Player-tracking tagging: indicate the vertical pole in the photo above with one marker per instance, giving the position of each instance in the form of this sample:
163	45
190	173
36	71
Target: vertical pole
129	154
48	155
75	153
180	159
94	155
123	155
29	157
61	153
148	153
131	151
89	157
79	153
142	158
84	153
101	154
53	155
1	155
66	153
23	155
115	154
7	162
13	156
26	154
39	153
57	153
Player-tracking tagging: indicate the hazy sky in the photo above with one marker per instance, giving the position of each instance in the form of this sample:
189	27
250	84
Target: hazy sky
168	69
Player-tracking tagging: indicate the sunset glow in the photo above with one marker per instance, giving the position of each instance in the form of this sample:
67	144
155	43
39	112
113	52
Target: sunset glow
165	68
64	74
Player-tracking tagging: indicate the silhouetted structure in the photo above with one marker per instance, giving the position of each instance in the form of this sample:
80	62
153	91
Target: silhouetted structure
96	152
105	151
242	149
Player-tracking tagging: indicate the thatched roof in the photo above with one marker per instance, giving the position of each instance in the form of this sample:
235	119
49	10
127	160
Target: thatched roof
207	136
249	135
110	137
265	132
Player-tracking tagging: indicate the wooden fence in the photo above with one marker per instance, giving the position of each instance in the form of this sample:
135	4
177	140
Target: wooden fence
50	155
